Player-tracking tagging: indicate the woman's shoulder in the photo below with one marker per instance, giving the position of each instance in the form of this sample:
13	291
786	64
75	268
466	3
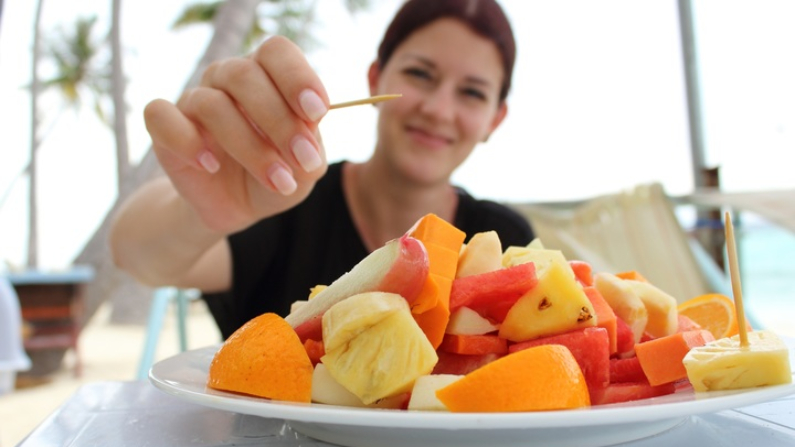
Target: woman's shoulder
478	215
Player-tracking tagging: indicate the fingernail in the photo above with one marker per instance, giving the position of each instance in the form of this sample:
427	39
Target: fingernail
306	154
312	105
282	180
209	162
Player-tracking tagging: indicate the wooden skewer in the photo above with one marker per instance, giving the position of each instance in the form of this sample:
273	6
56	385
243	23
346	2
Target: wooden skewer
734	271
370	100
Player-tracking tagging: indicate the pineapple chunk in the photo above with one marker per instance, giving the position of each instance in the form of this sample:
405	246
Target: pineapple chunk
326	390
624	300
374	348
542	258
724	365
556	304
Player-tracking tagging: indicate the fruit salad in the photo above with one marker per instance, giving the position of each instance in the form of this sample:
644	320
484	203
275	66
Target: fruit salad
430	323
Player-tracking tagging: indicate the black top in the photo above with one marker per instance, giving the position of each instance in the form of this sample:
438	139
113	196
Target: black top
277	260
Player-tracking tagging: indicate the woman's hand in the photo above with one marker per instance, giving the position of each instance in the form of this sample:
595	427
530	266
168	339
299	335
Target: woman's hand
244	145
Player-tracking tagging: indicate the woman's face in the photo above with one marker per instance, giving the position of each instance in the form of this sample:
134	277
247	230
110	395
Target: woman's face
450	79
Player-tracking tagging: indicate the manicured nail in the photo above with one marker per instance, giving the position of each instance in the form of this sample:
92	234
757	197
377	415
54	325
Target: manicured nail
209	162
282	180
312	105
306	154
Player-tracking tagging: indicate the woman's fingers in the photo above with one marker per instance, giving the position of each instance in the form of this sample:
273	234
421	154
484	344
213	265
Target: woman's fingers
263	105
172	131
292	75
258	113
216	113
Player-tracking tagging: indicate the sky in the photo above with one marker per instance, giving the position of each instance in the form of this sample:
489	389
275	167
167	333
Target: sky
598	104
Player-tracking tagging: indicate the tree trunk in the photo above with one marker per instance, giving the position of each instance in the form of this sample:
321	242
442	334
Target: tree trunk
35	88
128	297
118	86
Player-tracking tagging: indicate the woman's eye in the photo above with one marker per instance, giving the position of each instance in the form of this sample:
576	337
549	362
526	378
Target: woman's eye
418	73
473	93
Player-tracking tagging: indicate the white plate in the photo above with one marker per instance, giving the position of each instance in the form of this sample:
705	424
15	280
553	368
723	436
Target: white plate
185	375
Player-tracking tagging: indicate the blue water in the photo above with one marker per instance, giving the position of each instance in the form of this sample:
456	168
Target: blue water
767	267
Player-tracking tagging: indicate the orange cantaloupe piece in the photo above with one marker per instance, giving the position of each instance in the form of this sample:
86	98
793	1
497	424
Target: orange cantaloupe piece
541	378
633	275
443	241
433	229
433	321
661	358
605	316
428	296
263	358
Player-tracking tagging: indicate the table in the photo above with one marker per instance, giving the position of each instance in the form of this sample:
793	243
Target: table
116	414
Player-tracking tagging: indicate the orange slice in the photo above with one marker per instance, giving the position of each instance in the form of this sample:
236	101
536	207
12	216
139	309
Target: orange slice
263	358
545	377
714	312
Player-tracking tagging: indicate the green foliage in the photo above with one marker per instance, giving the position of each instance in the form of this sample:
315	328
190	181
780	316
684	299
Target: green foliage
78	66
197	13
290	18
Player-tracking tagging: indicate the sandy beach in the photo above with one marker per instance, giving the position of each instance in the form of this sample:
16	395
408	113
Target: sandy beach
109	351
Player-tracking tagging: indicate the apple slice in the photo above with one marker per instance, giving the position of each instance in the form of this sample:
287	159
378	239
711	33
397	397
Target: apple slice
465	321
482	254
625	302
400	267
423	395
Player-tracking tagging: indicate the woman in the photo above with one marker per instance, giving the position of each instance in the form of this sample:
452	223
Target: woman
253	216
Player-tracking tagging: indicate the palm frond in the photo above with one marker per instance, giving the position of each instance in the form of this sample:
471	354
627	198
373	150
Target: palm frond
197	13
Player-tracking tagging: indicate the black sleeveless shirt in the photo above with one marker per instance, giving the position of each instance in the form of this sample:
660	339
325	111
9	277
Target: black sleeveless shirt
277	260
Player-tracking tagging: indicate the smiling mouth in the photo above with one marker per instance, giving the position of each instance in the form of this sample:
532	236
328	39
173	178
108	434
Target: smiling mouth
427	138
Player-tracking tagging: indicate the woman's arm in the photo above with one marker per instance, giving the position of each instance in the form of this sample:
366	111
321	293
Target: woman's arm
240	147
158	238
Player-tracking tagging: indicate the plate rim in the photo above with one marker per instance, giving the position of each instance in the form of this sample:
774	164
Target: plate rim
641	411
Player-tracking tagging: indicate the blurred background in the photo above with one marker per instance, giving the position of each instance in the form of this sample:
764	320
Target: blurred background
602	100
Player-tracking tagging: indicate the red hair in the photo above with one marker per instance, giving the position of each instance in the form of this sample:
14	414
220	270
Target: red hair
484	17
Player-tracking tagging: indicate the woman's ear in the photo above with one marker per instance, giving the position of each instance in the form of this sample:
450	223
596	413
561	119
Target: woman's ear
502	112
373	74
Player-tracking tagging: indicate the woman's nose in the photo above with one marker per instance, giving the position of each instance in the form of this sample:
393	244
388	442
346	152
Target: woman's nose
439	103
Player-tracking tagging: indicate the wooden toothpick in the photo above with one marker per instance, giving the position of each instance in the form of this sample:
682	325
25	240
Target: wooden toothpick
370	100
734	271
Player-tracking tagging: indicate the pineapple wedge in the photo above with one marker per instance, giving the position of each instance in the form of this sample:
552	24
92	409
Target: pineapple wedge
326	390
556	304
624	300
374	348
542	258
724	365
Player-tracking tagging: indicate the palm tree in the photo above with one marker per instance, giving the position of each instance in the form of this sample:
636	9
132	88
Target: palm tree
118	87
74	57
35	142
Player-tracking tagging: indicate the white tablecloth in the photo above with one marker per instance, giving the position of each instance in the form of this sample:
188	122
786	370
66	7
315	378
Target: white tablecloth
111	414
